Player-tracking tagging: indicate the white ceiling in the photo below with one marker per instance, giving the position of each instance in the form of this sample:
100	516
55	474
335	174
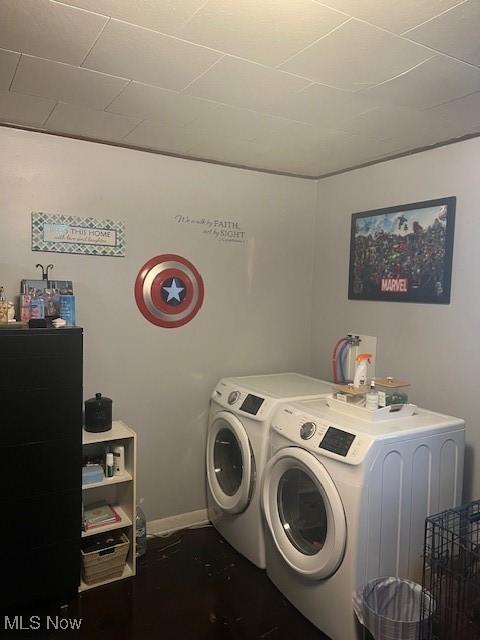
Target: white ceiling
296	86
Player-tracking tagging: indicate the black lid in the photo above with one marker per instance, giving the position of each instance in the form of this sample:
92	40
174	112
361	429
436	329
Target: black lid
98	399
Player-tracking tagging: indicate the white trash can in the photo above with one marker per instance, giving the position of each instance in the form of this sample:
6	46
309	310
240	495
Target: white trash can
391	608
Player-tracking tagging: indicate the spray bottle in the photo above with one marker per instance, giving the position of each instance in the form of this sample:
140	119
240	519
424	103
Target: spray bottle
361	371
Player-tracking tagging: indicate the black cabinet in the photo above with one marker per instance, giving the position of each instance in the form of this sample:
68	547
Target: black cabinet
41	459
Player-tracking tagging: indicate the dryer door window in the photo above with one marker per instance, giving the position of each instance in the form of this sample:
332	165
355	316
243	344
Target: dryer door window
230	463
304	513
227	460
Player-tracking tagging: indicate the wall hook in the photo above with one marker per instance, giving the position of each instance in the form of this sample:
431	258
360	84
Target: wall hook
45	270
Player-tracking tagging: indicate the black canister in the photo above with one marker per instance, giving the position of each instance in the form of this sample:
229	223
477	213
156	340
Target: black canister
98	414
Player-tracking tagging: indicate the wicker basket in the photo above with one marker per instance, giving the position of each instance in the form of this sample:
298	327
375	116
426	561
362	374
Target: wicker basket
106	563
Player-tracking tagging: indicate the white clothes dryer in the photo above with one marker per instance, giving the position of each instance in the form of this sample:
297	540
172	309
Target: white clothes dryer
345	501
237	445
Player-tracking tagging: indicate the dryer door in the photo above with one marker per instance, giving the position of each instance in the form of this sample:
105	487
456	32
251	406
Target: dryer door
230	464
304	513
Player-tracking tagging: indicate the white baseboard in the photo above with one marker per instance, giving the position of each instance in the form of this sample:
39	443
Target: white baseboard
174	523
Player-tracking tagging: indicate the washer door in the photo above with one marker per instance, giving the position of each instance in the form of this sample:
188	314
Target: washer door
304	512
230	465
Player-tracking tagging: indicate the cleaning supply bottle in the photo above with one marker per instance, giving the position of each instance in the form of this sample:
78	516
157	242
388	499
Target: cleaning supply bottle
361	371
371	400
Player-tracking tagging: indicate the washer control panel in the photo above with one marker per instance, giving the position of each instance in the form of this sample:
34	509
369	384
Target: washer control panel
307	430
337	441
321	435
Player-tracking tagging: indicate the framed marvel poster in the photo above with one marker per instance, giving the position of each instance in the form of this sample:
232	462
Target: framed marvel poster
403	253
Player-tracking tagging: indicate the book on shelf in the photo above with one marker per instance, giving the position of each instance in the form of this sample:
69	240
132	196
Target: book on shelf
67	309
25	307
99	514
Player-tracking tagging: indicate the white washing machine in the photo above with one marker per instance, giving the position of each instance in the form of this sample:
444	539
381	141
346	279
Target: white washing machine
345	501
237	446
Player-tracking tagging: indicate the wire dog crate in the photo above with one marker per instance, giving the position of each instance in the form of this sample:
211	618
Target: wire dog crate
451	575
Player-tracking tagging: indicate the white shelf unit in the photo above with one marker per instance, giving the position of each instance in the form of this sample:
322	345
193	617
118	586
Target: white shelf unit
119	491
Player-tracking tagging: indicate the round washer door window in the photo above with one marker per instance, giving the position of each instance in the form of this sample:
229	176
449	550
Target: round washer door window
230	465
304	513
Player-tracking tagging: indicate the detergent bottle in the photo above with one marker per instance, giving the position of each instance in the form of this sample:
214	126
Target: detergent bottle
361	371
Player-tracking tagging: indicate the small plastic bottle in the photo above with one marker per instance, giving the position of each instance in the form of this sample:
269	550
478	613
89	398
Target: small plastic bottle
372	398
140	530
109	464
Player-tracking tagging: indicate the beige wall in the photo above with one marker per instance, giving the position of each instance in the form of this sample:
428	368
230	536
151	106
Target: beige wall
256	314
434	346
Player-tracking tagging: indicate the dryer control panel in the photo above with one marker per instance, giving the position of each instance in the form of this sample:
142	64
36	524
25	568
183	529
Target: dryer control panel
242	401
320	435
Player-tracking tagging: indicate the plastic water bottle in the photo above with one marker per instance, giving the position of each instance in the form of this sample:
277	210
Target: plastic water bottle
140	531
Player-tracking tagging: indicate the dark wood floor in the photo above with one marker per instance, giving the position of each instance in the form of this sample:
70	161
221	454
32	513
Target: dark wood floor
190	586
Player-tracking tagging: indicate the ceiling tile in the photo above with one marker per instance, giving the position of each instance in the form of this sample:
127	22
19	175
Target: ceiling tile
48	29
153	134
456	32
356	56
238	123
229	150
357	149
16	108
465	112
324	106
286	155
396	16
304	153
330	153
438	80
170	107
8	64
296	137
66	83
346	156
80	121
347	92
140	54
387	123
164	15
265	31
245	84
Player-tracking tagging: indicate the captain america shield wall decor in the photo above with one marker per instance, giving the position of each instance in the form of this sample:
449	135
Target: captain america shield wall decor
169	291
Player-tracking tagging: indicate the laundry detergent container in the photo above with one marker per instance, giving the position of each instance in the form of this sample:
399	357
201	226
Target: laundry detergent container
391	608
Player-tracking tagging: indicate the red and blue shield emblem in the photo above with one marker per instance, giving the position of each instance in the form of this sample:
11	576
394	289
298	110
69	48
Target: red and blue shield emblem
169	291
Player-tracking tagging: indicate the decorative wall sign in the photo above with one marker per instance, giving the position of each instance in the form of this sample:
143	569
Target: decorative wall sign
169	291
71	234
403	253
221	230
